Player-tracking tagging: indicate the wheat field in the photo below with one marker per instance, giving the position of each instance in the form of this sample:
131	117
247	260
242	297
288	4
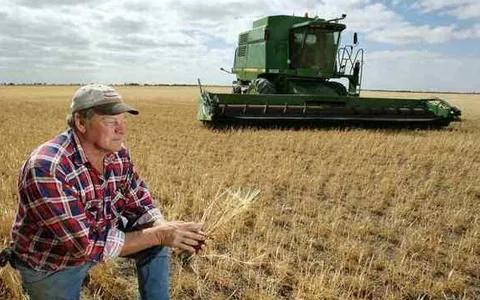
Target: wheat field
342	213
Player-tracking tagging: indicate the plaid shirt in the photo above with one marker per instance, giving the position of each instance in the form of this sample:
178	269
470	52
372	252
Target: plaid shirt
69	213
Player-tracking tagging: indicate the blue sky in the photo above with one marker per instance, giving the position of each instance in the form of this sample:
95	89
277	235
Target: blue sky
430	45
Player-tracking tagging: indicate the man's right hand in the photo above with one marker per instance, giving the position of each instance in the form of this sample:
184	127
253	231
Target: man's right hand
179	234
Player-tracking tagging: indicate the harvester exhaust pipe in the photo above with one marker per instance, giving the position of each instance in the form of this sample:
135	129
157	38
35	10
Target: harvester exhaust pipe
338	19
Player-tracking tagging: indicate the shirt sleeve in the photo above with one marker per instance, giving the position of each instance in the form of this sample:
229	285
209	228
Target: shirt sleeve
56	206
140	202
113	244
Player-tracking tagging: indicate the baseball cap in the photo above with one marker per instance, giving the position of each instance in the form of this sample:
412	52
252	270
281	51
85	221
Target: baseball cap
104	99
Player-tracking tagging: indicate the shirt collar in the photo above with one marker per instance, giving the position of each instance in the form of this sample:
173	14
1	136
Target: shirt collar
78	154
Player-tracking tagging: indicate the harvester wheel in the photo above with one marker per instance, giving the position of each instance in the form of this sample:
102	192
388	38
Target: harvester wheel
337	87
261	86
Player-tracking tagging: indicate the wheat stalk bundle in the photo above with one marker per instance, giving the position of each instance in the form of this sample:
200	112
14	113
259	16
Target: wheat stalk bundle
227	205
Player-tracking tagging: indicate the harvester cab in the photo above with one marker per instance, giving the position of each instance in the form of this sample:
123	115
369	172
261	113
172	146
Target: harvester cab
296	55
291	68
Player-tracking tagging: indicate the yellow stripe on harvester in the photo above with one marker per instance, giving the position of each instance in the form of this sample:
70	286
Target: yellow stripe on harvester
255	70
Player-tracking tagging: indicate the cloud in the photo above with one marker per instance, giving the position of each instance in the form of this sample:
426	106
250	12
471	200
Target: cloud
409	34
391	28
123	25
52	3
36	38
420	70
461	9
469	33
41	28
220	11
140	6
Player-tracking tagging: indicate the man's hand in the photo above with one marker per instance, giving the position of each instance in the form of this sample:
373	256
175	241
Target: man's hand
178	234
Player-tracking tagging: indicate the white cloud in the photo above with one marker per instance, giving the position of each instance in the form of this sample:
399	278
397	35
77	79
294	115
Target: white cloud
46	3
409	34
390	27
469	33
421	70
462	9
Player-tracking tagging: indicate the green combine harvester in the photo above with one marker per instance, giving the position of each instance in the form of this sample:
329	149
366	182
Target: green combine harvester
284	68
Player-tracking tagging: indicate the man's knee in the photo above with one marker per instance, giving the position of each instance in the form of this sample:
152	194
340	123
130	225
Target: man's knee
153	253
153	268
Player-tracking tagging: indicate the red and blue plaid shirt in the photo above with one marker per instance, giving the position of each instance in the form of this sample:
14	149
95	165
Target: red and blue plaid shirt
69	213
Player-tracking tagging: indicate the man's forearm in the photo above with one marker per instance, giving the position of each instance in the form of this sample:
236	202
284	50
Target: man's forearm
176	234
136	241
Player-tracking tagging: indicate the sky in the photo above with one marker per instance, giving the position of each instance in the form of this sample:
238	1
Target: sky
427	45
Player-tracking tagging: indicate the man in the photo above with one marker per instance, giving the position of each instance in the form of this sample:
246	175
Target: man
82	202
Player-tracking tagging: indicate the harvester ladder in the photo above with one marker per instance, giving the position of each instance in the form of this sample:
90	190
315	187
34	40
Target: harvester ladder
347	60
358	59
344	57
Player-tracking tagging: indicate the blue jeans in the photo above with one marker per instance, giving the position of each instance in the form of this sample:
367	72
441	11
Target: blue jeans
152	273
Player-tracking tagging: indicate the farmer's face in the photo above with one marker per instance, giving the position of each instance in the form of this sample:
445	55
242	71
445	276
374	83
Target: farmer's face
106	132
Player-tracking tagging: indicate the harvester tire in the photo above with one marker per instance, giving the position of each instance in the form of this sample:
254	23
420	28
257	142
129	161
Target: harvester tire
262	86
337	87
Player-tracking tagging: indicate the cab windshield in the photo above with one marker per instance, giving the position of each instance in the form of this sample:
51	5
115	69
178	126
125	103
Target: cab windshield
313	48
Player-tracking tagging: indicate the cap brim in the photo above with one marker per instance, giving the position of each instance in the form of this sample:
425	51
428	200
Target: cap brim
115	109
